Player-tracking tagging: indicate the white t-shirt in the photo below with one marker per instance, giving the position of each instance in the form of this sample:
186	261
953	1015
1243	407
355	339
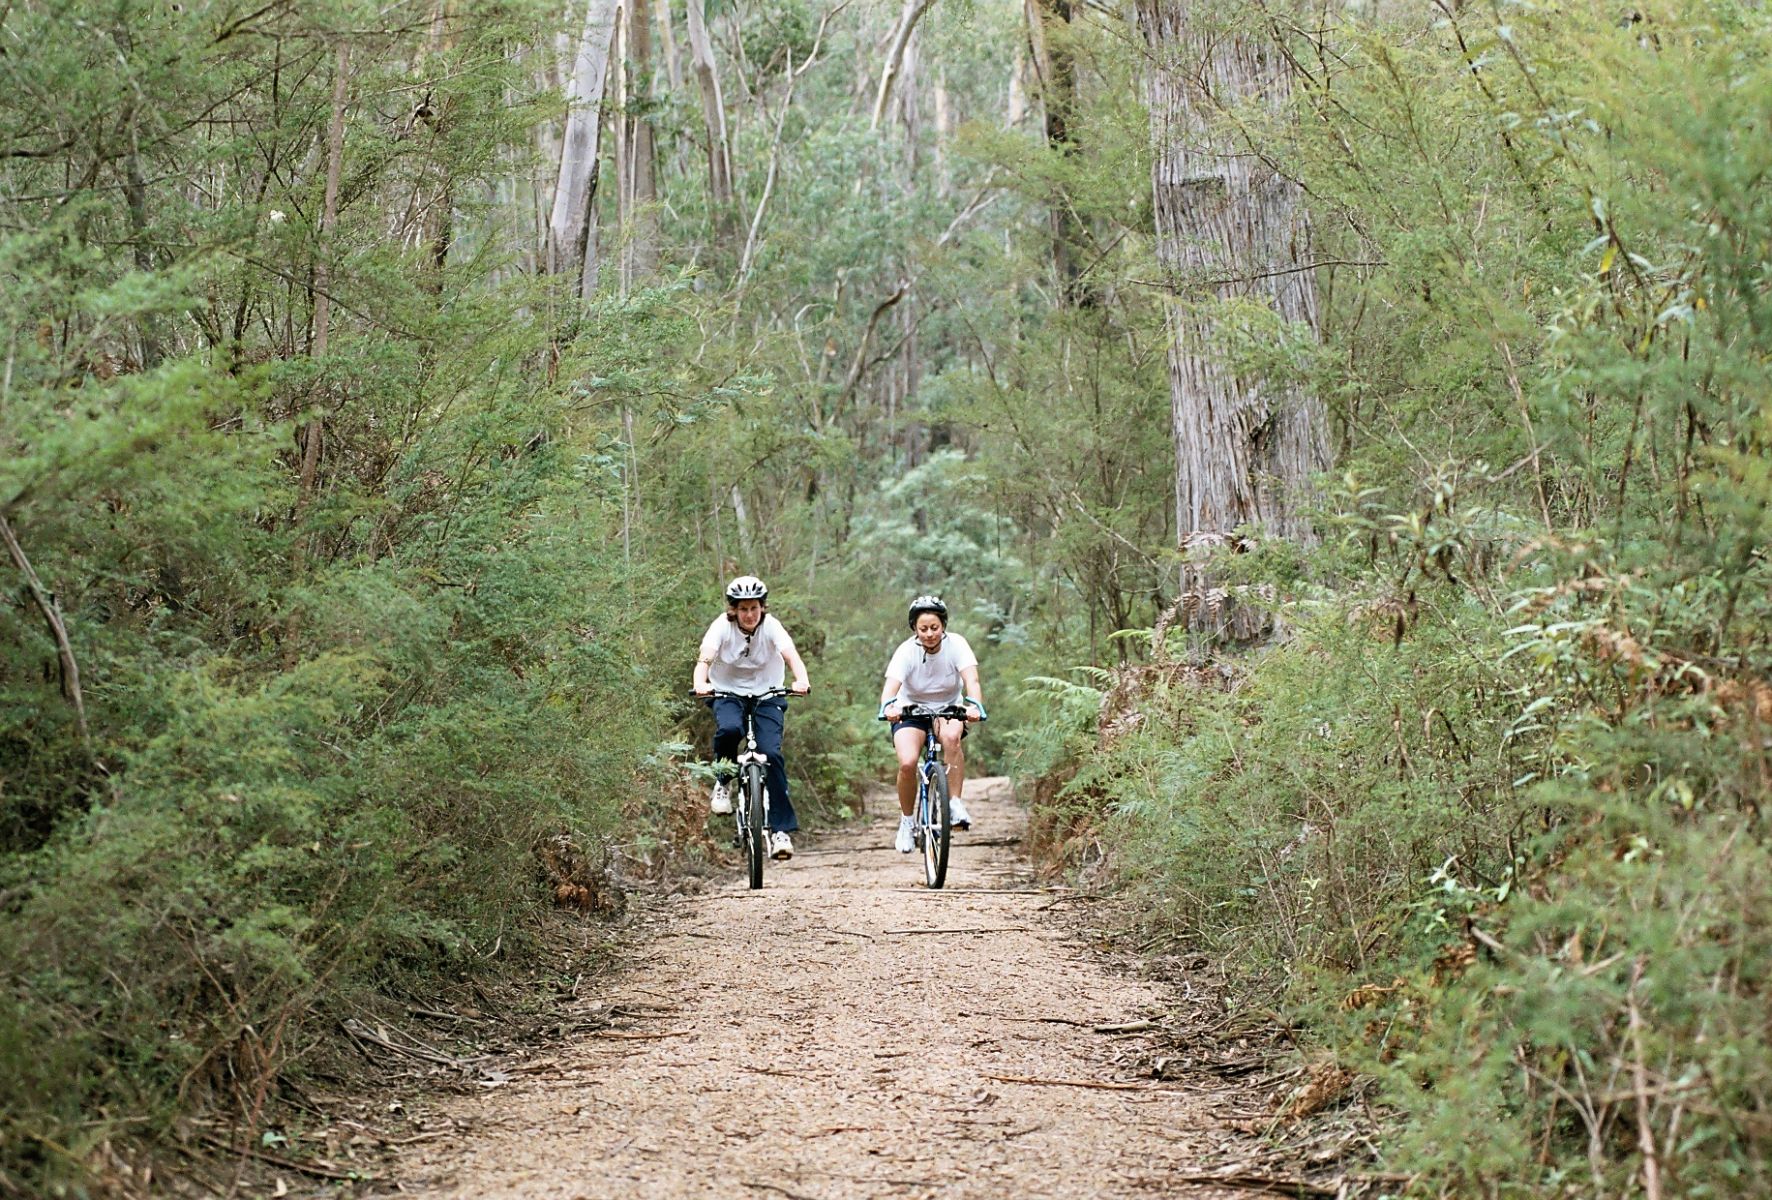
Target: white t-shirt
749	665
931	678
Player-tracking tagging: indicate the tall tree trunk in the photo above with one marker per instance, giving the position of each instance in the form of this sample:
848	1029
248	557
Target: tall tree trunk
572	238
889	72
673	63
713	111
1055	66
435	109
135	199
314	431
1228	225
639	178
1017	107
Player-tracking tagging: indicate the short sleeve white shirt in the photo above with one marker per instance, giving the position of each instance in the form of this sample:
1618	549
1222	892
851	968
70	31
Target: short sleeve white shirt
748	664
931	678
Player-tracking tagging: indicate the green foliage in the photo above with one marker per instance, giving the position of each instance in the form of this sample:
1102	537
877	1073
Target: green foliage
328	718
1490	817
1487	817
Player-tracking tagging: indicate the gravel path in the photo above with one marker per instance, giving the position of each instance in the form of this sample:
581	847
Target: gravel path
846	1034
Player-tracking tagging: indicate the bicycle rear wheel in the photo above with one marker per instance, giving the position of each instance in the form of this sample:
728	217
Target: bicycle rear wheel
752	825
936	831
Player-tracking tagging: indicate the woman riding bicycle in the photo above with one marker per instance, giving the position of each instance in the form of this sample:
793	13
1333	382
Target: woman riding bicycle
931	667
744	652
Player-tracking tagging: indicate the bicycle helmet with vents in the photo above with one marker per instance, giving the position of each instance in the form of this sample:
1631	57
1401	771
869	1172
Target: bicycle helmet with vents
746	587
928	604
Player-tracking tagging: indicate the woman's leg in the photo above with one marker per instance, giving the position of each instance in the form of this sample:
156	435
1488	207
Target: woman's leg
951	747
728	732
908	742
770	714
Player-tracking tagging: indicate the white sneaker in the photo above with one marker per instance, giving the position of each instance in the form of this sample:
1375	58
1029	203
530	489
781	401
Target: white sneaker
958	817
904	841
781	846
721	801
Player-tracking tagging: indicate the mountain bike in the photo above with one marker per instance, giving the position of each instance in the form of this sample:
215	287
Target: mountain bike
750	809
929	820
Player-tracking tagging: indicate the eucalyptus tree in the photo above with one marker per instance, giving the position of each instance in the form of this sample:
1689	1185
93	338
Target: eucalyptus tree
1234	240
572	221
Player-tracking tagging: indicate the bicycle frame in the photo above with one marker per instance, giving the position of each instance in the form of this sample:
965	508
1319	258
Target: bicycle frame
931	831
751	811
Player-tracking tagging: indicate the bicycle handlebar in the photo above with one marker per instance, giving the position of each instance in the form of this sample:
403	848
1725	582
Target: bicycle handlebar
743	697
958	712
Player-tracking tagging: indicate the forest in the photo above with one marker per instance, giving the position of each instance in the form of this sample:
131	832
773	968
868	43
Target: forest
1342	430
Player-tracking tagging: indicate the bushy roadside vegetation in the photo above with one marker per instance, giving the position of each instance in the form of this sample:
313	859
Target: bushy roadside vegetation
1489	818
281	732
355	563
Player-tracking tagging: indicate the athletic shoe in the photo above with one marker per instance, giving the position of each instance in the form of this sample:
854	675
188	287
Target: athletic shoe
958	817
781	846
721	801
904	841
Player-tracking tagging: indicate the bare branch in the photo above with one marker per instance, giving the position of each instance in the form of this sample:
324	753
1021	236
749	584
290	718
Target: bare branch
58	629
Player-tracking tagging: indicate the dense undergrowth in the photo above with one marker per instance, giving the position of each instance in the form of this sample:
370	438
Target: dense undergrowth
1488	817
380	556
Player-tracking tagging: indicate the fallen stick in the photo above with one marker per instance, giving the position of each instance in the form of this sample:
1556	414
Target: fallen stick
362	1032
773	1187
441	1015
1097	1084
1128	1027
1048	1021
1264	1183
290	1164
1079	897
632	1036
963	929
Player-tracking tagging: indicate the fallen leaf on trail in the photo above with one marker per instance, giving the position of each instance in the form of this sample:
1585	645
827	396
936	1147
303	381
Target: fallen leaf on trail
1327	1081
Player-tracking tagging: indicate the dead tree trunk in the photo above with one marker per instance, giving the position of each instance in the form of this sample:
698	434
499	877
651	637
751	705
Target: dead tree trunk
1229	226
572	238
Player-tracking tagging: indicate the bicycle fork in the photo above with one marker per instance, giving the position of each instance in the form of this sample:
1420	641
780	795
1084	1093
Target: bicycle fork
752	757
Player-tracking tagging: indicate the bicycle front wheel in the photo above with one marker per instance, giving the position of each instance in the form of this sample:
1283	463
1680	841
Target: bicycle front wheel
936	831
752	830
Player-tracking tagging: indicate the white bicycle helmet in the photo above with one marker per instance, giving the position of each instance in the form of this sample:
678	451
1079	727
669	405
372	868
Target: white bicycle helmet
746	587
928	604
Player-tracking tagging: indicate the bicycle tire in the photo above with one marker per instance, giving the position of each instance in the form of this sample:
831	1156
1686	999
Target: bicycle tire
752	830
938	832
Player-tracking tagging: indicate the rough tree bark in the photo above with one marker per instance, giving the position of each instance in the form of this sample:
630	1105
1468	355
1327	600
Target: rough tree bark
572	238
1228	225
1049	21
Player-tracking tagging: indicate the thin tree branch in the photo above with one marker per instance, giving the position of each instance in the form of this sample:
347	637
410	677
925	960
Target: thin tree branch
58	629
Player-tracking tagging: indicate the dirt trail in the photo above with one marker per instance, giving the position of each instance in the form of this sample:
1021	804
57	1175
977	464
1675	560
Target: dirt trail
835	1037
